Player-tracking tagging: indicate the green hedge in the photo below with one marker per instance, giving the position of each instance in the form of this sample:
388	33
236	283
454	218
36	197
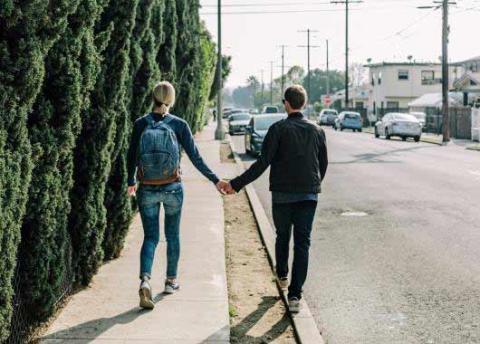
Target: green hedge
74	75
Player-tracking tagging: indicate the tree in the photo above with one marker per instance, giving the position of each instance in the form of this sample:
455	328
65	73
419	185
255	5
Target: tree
54	124
226	70
29	29
295	75
100	140
318	80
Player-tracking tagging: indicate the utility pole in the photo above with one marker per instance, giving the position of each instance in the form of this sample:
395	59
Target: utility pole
308	46
347	8
271	82
219	132
282	90
445	73
263	85
444	5
328	71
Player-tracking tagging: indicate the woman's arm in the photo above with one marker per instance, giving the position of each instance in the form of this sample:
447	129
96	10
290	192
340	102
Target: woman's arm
132	151
186	140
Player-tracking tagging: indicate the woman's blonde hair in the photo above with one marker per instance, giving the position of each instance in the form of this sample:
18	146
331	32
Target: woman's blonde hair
163	96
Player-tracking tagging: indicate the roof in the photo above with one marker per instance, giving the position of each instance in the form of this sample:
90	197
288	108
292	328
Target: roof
435	100
465	81
473	59
387	64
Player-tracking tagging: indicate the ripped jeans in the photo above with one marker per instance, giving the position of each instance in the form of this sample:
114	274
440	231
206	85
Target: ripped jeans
150	198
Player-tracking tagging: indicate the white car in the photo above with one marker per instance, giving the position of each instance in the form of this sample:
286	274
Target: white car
399	124
238	122
327	117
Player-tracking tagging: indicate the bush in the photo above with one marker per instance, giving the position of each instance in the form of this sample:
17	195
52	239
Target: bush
74	75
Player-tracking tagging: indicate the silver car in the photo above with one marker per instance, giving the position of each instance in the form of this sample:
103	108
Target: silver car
238	122
399	124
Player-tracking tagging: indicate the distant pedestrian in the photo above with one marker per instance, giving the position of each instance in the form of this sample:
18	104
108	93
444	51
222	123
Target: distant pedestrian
297	152
154	159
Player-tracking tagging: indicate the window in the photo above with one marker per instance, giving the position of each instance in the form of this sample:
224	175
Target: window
393	105
379	78
373	79
359	105
403	75
428	77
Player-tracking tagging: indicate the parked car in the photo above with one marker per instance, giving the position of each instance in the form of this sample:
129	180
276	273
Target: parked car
399	124
270	109
327	117
257	129
348	120
421	116
227	114
238	122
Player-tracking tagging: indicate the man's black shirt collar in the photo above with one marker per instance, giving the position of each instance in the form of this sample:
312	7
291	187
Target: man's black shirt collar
295	115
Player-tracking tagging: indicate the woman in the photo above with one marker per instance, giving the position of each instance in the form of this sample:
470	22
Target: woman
154	159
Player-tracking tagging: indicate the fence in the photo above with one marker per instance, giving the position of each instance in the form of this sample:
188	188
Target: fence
460	122
476	125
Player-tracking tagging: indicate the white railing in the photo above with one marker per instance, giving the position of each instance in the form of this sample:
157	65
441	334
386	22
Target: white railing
476	124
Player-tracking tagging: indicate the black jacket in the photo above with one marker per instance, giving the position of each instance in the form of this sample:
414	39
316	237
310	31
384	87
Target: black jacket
297	152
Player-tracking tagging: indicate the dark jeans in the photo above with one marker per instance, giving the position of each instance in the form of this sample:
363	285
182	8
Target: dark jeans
300	216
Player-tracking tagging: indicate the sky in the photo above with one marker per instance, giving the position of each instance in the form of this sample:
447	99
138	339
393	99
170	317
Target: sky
383	30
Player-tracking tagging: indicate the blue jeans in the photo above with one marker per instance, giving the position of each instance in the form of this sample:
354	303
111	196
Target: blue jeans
150	198
300	216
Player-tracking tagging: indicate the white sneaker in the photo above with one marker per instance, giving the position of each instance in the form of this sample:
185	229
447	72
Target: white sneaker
145	294
294	305
171	286
283	282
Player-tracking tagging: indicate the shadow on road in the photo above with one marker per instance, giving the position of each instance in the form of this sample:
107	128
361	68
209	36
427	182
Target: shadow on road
377	157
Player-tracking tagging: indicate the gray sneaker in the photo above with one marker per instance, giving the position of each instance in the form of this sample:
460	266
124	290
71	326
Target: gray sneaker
294	305
145	293
171	286
283	282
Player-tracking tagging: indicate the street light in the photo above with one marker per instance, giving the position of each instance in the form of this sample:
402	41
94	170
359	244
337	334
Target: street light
219	132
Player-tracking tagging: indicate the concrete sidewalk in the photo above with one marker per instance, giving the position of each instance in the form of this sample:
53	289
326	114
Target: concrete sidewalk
108	312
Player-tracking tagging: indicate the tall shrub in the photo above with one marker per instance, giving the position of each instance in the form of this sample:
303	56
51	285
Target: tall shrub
54	124
96	144
28	29
166	58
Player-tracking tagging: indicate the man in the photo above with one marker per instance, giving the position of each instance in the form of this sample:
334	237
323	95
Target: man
296	150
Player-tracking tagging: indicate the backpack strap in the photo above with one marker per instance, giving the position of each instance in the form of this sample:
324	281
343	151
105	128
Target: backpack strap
168	118
150	120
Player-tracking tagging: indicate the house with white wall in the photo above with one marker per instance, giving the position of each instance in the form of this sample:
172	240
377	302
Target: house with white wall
469	81
394	85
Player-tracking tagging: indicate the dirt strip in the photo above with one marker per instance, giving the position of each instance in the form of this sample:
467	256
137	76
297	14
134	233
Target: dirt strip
257	314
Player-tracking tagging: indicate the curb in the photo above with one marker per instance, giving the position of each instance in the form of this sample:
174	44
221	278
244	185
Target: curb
304	324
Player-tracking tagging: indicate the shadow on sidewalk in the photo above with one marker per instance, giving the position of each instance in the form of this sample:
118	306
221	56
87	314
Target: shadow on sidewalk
90	330
239	332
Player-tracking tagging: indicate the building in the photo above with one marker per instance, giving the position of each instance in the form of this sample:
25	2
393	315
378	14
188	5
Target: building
469	81
358	98
395	85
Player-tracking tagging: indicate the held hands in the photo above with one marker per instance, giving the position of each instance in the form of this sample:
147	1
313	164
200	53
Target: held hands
225	188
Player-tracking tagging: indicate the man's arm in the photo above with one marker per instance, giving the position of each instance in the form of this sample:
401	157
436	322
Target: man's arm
323	155
188	144
269	149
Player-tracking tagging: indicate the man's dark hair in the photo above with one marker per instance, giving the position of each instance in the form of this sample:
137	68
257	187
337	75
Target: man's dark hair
296	96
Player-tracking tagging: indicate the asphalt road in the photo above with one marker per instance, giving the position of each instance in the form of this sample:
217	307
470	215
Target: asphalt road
408	271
